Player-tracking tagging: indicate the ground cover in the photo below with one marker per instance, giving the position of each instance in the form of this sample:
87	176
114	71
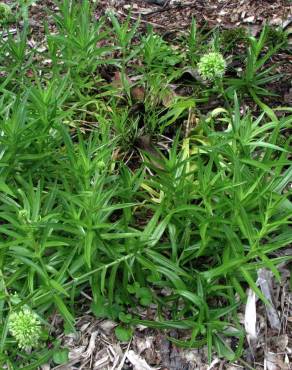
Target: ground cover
144	190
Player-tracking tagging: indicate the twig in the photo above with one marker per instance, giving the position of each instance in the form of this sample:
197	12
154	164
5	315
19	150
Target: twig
142	20
176	6
9	32
124	358
160	10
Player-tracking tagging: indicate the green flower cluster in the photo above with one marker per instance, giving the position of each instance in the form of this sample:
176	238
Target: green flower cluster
5	12
25	328
212	66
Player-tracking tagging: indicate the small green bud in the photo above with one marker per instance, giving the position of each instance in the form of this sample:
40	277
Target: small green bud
23	216
23	213
14	299
101	165
25	327
212	66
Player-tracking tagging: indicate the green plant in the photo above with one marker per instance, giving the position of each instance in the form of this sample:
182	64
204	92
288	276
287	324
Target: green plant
181	225
124	37
24	8
197	42
277	36
123	334
17	49
124	34
78	44
229	39
157	54
61	356
255	76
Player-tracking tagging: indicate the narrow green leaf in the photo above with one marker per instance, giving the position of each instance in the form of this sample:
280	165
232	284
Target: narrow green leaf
5	188
67	316
88	243
253	285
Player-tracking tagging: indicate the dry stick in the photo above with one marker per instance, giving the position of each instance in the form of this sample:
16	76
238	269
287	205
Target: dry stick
9	32
124	357
178	6
157	2
141	20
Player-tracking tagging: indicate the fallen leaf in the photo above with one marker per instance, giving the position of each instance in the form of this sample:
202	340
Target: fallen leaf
145	143
107	326
193	72
213	363
168	98
91	345
45	367
138	362
250	318
278	343
30	73
264	279
101	363
143	343
249	19
117	80
274	362
138	93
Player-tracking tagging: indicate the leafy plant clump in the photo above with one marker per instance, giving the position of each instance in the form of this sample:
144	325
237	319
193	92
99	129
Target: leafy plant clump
116	186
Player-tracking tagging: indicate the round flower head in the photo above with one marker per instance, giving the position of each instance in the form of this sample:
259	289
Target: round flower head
5	12
25	327
212	66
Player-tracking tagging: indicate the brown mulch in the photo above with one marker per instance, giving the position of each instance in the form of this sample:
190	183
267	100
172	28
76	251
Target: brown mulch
177	14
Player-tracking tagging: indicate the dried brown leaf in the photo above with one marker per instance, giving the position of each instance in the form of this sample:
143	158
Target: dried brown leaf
138	362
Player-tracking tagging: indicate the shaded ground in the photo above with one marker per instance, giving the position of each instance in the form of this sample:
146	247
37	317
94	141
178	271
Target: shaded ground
177	14
94	345
174	18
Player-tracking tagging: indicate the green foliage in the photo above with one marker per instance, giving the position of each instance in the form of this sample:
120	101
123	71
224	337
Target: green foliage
184	229
277	36
255	75
230	38
142	293
123	333
61	356
157	54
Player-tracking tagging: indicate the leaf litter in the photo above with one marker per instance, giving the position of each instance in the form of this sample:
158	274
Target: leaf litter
94	345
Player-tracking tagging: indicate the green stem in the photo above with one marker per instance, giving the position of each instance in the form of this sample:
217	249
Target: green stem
219	83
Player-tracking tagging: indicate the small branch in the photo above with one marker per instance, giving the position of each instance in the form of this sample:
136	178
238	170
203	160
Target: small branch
142	20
